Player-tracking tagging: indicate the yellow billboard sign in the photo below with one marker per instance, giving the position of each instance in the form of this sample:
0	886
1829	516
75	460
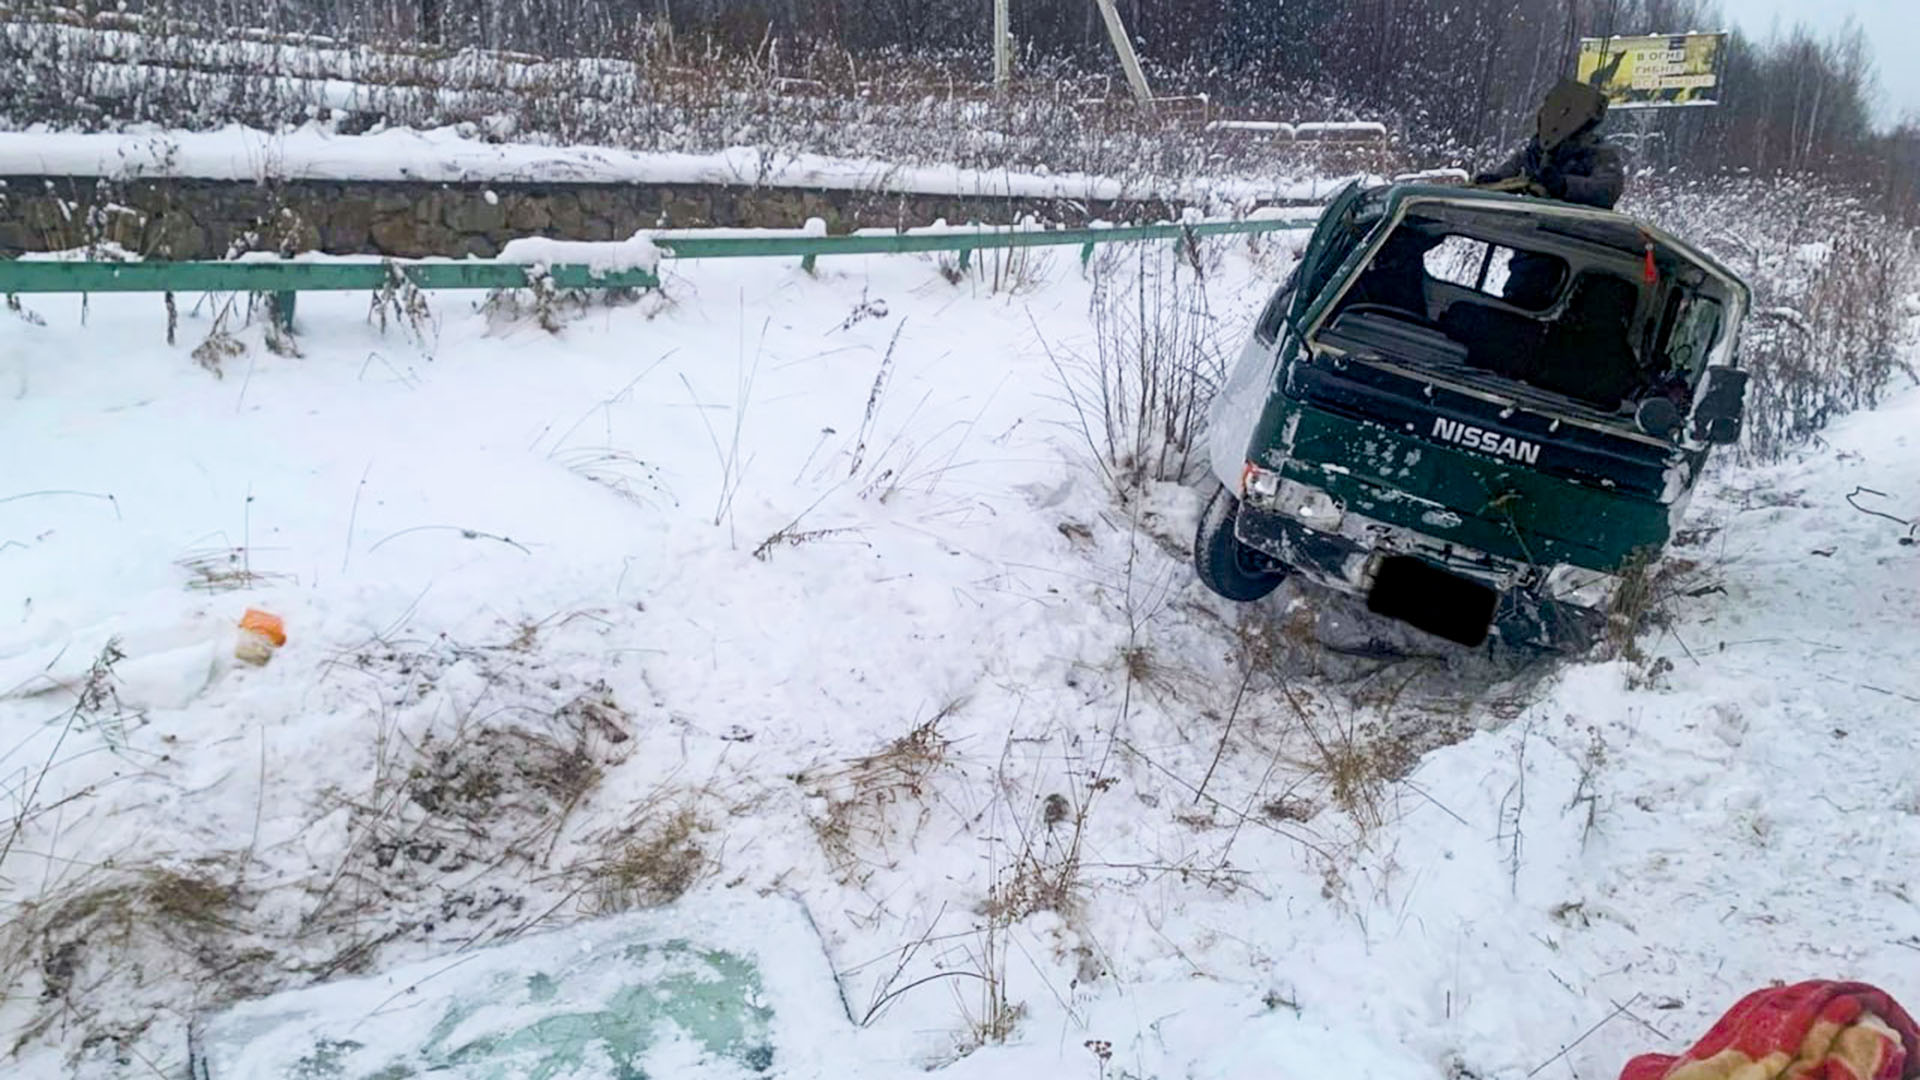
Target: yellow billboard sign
1654	72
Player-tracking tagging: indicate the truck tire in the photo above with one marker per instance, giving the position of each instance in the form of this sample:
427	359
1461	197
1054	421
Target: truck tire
1224	564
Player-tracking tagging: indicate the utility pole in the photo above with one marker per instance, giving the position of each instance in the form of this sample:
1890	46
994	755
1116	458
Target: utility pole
1129	62
1002	47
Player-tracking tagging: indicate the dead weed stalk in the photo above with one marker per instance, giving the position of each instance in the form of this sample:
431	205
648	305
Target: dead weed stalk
647	864
863	797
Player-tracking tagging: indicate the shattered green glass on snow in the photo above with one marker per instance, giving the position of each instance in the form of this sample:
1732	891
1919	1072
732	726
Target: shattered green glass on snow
624	1009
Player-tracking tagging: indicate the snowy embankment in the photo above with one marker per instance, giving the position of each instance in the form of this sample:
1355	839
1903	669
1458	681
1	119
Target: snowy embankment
813	586
457	155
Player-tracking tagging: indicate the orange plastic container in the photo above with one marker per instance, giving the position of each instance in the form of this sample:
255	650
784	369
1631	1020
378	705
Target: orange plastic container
266	624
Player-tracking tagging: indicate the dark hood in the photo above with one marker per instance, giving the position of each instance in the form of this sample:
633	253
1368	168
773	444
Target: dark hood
1571	108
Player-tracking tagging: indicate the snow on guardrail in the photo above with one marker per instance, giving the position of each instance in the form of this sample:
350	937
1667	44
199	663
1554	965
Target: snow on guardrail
449	155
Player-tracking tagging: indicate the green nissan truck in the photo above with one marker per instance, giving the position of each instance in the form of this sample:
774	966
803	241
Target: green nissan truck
1474	409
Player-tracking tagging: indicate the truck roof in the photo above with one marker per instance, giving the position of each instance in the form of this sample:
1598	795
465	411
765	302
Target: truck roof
1608	227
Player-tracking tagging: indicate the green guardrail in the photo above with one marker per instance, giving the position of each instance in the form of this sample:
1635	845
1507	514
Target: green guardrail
965	243
283	280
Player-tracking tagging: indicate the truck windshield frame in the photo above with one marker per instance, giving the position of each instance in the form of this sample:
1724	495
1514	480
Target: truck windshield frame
1586	329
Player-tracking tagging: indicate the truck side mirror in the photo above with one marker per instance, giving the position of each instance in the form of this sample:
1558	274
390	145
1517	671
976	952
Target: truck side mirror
1719	405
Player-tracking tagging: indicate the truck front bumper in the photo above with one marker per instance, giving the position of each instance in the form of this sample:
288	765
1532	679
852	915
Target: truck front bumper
1549	607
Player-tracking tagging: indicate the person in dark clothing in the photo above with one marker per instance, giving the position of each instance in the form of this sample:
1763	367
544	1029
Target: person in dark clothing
1567	158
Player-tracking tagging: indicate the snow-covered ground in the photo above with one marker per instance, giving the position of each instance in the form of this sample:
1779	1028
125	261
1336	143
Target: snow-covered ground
811	586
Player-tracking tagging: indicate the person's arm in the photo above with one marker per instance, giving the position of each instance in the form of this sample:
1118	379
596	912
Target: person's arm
1604	185
1506	170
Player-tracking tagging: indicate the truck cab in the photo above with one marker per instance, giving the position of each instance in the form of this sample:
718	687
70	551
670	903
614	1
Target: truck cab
1473	409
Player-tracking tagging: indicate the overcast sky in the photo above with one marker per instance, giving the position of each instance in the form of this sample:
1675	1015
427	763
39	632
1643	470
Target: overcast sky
1892	26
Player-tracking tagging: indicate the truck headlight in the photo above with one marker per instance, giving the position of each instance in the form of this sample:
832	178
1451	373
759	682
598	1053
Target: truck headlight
1259	486
1576	585
1309	506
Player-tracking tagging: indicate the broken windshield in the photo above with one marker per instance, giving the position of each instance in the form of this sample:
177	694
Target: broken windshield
1524	279
1696	329
1564	317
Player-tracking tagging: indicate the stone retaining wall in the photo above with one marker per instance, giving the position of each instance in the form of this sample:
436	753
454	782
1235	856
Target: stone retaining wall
206	219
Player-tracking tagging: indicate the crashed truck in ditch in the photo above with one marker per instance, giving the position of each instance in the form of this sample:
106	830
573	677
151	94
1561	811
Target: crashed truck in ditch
1476	410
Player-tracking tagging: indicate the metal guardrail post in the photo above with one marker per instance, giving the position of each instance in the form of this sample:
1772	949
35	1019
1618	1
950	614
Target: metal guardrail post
281	307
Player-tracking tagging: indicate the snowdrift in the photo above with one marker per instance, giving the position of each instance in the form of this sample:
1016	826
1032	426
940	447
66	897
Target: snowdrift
838	588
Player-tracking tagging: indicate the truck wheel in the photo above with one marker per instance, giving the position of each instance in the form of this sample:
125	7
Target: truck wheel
1224	564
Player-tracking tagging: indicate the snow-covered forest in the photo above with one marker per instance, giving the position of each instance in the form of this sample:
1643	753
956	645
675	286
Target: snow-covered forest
1455	79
